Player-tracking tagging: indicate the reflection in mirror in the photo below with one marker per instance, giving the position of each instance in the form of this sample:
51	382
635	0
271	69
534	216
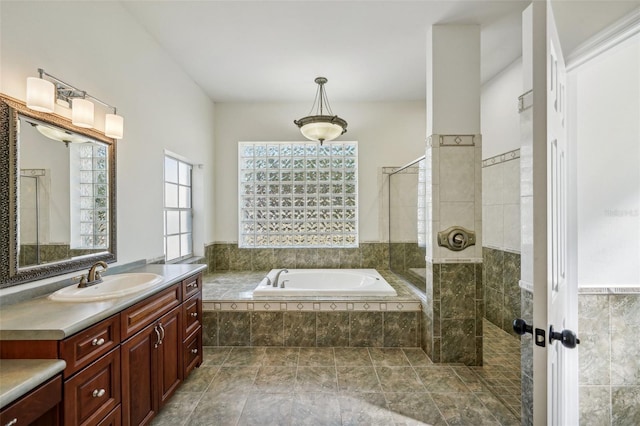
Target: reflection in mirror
58	214
407	223
63	199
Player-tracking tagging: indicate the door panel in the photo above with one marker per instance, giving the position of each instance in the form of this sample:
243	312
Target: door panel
554	365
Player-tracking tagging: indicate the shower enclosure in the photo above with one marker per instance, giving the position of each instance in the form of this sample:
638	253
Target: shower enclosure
407	222
30	217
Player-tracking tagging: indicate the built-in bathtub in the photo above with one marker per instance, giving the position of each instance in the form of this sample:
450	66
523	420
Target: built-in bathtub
323	282
234	316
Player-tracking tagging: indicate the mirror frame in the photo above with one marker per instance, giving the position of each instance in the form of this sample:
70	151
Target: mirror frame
10	272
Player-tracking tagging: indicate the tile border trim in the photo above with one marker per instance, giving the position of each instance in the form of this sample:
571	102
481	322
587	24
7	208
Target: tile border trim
501	158
306	306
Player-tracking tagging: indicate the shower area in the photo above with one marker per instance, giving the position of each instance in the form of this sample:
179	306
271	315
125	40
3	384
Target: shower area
407	222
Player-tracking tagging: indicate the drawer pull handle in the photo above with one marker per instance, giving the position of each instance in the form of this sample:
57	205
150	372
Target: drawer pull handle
99	393
194	351
97	342
193	284
12	422
194	314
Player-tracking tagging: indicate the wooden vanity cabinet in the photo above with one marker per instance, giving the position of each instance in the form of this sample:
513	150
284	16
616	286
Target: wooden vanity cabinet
151	337
125	368
40	407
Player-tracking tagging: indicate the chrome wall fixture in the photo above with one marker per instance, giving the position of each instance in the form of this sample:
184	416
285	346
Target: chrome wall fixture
321	126
42	95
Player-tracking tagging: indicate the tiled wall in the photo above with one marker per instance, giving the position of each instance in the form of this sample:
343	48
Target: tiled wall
50	253
453	312
501	201
609	330
526	359
228	257
312	329
501	287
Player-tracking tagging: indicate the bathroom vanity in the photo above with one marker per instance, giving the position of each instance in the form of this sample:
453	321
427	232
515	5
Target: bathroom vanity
122	358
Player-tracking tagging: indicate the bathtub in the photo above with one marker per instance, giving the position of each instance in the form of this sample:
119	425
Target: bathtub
326	282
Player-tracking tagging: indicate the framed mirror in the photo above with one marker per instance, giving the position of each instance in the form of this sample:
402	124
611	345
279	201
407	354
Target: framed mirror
58	205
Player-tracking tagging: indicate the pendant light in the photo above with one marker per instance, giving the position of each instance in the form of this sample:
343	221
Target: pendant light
321	126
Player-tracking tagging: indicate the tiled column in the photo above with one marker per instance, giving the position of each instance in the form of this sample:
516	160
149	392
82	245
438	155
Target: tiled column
454	306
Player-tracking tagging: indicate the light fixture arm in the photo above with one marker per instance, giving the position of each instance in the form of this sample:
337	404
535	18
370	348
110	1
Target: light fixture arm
66	91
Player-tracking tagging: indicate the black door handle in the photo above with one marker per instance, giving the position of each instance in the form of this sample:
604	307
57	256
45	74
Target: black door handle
566	337
521	327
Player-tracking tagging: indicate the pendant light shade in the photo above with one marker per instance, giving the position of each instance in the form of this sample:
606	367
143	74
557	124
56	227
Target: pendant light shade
41	94
113	126
321	126
82	112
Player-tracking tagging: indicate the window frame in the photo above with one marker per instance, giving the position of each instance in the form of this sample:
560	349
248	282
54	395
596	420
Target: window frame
188	210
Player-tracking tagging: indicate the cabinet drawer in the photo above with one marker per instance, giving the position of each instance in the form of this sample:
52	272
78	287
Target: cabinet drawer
93	392
192	355
140	315
192	314
191	285
114	418
82	348
32	406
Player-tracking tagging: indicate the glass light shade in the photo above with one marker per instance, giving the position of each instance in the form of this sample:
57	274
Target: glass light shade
113	126
82	113
41	94
321	131
60	135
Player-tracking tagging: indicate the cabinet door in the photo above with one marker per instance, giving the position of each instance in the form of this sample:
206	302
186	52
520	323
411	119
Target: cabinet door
169	354
139	380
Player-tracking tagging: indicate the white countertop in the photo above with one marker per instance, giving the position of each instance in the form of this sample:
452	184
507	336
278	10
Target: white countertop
19	376
44	319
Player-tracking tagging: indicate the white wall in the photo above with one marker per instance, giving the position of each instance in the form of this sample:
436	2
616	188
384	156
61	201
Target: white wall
98	47
388	134
608	167
501	175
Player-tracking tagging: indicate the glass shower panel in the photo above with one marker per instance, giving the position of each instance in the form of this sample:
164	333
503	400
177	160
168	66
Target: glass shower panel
406	223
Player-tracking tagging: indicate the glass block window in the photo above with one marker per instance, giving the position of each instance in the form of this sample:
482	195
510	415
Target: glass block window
94	196
298	194
178	214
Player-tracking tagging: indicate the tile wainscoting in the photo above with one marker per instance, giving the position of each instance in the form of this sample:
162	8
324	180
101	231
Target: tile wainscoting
453	313
228	257
501	287
609	330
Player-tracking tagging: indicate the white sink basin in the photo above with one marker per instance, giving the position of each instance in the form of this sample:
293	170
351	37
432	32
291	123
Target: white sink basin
112	286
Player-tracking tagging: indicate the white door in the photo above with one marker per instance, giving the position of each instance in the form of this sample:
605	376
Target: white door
555	366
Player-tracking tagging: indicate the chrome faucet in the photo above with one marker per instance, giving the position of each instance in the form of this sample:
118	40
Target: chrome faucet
93	276
275	280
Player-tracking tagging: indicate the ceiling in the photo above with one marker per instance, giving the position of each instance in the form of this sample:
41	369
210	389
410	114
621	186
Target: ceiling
271	51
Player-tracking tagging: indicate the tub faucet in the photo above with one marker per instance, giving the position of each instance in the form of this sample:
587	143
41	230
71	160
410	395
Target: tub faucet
93	276
275	280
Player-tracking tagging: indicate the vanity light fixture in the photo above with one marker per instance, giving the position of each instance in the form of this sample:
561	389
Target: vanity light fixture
321	126
42	95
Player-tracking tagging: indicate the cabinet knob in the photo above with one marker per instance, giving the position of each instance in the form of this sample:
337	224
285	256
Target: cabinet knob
97	342
194	351
99	393
194	314
12	422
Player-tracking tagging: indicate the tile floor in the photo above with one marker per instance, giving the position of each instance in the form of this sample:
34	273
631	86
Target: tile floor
501	370
332	386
